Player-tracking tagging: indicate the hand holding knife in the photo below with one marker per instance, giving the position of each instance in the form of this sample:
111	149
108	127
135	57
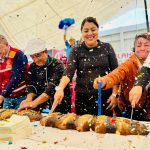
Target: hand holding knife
57	98
131	114
53	108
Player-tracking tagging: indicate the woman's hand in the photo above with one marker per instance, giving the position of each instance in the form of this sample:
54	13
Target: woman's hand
27	105
112	102
99	79
135	95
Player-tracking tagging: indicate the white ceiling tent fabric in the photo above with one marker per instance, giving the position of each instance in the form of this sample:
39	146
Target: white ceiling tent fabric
22	20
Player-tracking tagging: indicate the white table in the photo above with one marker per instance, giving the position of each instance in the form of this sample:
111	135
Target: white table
47	138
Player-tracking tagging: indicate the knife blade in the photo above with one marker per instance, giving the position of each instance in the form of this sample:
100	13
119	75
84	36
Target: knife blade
131	115
53	108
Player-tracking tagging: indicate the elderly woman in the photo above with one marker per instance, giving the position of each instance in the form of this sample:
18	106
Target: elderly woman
141	83
125	74
90	59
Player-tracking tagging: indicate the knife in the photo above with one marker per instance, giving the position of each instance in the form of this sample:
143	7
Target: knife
131	115
53	108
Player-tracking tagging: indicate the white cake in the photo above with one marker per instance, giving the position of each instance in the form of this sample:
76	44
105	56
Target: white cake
15	128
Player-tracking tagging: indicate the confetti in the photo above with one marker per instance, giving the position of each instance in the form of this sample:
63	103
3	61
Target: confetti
147	130
44	141
65	139
117	132
56	142
113	120
10	142
129	142
24	147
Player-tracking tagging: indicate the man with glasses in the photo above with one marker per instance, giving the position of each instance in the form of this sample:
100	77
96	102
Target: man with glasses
43	77
13	74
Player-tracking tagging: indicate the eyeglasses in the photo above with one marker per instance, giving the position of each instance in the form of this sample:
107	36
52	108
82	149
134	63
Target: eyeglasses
143	35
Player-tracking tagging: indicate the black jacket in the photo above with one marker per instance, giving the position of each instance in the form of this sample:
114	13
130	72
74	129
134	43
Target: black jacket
45	79
90	63
143	77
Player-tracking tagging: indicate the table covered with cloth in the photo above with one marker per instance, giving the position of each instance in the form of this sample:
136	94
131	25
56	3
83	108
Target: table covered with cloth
49	138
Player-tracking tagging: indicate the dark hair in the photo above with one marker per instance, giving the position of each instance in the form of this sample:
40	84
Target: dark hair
89	19
143	35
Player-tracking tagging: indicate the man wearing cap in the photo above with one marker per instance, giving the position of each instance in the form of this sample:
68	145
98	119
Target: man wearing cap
43	77
13	75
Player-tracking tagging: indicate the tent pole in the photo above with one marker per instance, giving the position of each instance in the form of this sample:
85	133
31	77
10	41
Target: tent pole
146	14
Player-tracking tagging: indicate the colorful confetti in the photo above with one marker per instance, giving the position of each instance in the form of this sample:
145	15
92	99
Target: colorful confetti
56	142
10	142
24	147
44	141
65	139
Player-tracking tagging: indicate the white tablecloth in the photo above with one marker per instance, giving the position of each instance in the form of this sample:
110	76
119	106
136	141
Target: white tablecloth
47	138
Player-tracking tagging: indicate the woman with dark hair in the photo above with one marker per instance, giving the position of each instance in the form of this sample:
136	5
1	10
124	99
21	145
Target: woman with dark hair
91	59
125	74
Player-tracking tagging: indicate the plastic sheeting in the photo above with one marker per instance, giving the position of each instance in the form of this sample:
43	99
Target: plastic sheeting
22	20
